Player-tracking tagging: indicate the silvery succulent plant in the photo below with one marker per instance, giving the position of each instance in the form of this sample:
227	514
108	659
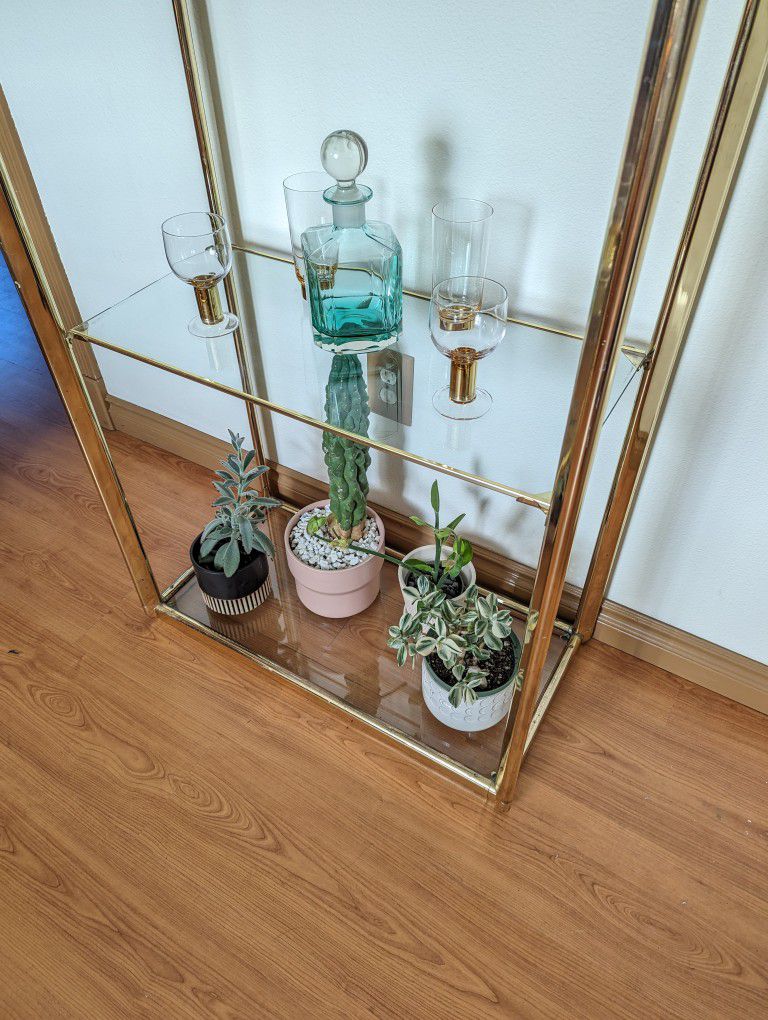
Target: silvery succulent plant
239	511
463	636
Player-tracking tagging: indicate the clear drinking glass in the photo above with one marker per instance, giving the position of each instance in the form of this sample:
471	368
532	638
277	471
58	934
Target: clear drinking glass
467	320
199	252
460	235
306	207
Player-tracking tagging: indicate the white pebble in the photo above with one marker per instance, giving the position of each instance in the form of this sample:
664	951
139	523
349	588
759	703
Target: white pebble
310	549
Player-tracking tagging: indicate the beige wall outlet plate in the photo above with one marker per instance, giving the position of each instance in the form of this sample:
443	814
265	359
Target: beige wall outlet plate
390	385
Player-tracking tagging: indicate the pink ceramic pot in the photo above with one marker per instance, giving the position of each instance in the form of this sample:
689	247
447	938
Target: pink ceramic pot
335	593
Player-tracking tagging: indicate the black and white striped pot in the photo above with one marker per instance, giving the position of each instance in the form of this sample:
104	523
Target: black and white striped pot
243	592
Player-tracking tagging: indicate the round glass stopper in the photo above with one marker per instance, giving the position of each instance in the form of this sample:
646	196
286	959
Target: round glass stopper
344	155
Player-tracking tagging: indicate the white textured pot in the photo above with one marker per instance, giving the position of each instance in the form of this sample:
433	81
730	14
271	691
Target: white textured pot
489	708
427	553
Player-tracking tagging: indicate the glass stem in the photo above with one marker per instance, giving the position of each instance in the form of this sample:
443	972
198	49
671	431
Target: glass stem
208	303
463	386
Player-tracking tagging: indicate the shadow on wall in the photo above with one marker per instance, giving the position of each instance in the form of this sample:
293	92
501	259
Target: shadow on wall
234	216
698	420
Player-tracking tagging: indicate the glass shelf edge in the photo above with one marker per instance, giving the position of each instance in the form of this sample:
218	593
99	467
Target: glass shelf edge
545	699
540	501
630	348
476	779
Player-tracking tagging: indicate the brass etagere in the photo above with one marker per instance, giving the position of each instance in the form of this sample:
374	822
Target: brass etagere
665	64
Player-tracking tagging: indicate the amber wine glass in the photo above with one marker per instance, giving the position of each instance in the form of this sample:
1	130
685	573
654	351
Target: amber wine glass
467	320
199	252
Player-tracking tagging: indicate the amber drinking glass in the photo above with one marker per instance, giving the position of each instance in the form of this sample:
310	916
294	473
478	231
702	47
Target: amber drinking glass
199	252
305	207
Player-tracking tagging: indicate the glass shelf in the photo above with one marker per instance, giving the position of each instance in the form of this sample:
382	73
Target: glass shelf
514	449
348	661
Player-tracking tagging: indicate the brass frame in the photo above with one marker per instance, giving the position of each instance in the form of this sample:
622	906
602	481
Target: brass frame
741	92
36	295
667	57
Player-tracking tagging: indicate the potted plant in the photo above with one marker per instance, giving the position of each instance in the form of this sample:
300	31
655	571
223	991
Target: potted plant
329	544
470	655
229	556
447	562
448	567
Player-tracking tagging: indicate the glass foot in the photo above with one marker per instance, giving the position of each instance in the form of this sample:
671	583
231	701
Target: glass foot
228	324
448	408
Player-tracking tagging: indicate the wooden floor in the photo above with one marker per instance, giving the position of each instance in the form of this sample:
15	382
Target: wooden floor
180	836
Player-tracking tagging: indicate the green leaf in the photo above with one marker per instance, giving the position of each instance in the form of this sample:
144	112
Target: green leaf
456	695
263	543
225	557
215	523
417	520
424	646
209	545
246	533
498	629
493	642
434	497
251	475
315	524
455	522
248	458
418	565
223	501
230	561
454	645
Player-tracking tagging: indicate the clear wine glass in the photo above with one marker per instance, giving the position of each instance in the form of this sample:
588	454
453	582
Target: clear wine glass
467	320
199	252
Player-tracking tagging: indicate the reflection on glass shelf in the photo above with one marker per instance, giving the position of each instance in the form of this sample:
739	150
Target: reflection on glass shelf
350	659
515	446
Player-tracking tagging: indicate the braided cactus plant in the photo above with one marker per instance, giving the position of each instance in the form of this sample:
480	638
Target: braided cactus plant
346	407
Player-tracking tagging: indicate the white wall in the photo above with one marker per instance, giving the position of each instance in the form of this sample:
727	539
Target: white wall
522	104
98	94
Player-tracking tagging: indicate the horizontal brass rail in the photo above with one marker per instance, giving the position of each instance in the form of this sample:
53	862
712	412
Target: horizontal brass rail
538	500
632	348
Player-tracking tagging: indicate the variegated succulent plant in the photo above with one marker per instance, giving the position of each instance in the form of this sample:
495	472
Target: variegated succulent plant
463	635
239	512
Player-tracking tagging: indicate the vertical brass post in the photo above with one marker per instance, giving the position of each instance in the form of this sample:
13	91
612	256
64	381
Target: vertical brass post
27	271
202	133
663	71
742	88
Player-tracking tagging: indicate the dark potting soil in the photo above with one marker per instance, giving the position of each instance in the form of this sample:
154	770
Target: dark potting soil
453	586
500	667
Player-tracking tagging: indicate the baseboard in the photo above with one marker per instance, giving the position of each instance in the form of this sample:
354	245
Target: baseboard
170	435
718	669
709	665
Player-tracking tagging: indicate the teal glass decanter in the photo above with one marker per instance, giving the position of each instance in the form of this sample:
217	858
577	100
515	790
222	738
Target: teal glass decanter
353	265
